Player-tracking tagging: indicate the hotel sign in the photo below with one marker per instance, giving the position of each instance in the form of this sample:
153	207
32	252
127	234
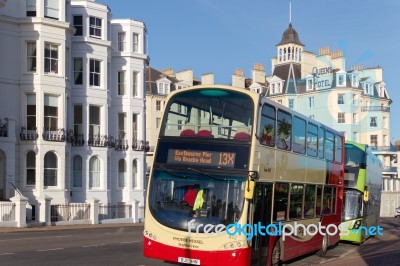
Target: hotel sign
322	77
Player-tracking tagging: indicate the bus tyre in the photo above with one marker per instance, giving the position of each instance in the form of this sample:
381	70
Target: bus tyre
324	247
276	254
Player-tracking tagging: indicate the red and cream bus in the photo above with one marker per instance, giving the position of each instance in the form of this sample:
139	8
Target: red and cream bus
231	157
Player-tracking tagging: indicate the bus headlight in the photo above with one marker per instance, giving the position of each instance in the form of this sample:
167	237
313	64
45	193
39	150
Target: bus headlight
357	224
226	246
233	245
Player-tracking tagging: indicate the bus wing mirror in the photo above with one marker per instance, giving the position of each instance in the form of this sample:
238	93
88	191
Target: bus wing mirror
249	189
366	195
250	184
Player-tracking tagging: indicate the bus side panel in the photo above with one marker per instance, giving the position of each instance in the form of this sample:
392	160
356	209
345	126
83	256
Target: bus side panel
294	248
336	178
233	257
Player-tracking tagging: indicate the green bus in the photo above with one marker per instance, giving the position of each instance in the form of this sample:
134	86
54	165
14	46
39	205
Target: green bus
362	193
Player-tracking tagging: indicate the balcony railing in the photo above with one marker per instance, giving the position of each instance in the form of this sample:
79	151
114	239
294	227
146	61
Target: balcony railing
30	134
111	142
383	148
121	145
375	108
54	135
3	128
98	140
390	169
75	139
140	145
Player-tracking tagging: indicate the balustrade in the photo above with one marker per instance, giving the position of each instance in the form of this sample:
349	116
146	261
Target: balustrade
54	135
28	134
3	128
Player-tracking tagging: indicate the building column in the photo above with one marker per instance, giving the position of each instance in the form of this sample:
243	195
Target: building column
11	121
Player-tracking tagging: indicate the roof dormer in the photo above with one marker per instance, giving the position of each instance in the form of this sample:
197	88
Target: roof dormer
368	86
275	85
163	85
341	78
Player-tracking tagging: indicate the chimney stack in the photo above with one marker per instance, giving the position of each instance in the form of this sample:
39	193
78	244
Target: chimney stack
207	79
258	74
238	79
168	72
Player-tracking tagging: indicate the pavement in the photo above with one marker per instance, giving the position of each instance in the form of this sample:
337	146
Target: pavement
9	230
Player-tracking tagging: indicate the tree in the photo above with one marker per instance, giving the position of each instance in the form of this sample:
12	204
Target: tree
268	134
284	132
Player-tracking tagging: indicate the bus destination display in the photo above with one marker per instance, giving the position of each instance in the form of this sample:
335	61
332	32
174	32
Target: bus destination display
210	158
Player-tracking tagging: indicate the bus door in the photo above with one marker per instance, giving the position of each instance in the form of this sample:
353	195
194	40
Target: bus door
261	212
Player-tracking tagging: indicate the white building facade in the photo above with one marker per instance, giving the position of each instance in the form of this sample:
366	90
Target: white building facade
73	104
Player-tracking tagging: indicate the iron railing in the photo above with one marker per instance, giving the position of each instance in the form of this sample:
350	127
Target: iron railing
375	108
140	145
121	145
3	128
7	211
75	139
383	148
69	212
98	140
28	134
390	169
114	211
54	134
111	142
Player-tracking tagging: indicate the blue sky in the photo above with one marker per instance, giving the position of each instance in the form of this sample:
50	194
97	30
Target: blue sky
219	36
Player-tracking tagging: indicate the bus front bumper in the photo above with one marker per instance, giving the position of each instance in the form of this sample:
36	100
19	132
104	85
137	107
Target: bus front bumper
156	250
351	234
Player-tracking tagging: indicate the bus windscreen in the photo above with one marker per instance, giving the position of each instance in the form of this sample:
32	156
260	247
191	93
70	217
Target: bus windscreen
209	113
179	197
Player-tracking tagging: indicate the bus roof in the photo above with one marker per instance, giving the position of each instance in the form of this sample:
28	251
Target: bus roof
358	145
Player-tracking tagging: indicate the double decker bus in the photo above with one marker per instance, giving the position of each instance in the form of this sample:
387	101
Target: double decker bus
249	161
362	192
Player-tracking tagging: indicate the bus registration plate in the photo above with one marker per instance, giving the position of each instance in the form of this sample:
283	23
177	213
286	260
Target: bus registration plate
188	261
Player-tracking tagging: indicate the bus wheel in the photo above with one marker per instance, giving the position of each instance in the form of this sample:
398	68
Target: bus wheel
276	254
324	247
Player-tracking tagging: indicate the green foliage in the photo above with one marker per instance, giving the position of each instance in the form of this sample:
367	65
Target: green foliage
284	129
